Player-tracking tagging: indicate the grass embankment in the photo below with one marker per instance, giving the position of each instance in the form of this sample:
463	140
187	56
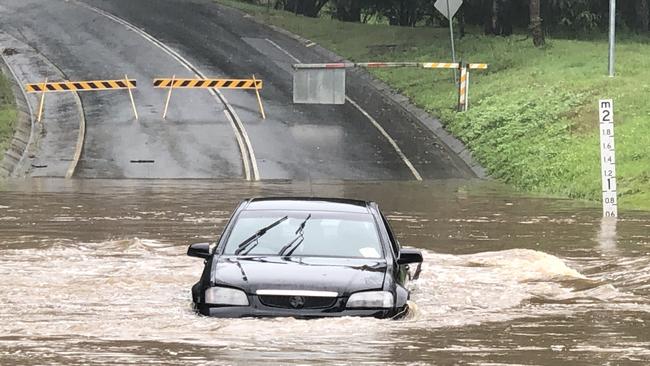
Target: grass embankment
7	114
533	121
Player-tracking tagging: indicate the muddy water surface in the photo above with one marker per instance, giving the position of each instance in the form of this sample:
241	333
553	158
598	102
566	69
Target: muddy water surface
96	272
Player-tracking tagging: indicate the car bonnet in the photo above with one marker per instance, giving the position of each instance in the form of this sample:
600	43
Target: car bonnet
340	275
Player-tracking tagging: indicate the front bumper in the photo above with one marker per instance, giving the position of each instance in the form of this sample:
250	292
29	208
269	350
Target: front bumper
259	310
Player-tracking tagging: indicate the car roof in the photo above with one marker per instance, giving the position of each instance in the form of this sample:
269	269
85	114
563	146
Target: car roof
308	204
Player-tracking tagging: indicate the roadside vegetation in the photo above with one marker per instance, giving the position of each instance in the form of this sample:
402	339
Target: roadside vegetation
533	118
7	114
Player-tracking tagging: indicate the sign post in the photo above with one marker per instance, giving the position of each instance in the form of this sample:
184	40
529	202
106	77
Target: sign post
608	158
612	37
449	8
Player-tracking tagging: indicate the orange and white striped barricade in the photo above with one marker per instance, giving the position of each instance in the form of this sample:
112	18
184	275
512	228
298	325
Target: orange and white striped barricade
77	86
180	83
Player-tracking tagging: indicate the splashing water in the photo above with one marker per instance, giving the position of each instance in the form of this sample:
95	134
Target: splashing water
75	293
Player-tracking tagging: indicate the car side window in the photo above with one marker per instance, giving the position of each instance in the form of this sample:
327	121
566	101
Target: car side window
393	241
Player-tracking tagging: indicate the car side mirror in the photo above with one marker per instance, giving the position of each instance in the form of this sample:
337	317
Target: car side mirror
408	256
199	250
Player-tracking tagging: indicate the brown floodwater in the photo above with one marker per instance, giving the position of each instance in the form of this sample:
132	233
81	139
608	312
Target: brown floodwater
95	272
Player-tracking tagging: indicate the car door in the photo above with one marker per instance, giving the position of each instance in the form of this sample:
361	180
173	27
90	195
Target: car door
402	271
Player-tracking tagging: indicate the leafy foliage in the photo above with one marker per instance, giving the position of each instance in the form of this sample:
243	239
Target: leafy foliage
494	16
533	116
7	113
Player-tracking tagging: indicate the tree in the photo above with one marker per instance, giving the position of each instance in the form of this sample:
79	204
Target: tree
536	24
499	17
402	12
642	15
309	8
347	10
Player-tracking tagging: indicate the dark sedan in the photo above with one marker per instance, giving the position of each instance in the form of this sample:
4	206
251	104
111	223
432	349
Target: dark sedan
305	258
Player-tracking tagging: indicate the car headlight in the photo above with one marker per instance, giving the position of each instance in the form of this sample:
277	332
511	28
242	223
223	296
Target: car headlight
371	299
225	296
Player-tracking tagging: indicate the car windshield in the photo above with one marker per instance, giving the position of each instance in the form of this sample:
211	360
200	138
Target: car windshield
326	234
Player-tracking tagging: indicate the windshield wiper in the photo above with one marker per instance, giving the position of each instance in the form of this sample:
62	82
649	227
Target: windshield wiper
246	244
299	236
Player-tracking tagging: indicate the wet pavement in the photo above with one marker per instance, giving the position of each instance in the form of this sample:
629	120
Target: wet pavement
195	142
94	271
85	41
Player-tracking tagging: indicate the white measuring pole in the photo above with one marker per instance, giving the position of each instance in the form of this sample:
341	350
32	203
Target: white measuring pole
608	157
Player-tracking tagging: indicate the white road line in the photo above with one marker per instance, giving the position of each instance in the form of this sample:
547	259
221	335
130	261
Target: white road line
244	142
379	128
239	141
283	50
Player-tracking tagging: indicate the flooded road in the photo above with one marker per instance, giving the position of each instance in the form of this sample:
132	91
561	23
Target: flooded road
95	271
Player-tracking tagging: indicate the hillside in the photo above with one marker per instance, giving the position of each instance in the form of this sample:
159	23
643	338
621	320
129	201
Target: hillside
533	121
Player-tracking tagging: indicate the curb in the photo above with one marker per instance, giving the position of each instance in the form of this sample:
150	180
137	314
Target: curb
431	123
24	125
30	134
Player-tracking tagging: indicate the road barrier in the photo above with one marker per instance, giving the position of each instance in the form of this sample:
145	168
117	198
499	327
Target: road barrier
77	86
245	84
463	85
325	88
462	89
440	65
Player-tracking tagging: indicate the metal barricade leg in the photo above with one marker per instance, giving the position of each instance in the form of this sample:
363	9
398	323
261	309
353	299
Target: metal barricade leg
169	97
467	90
128	86
42	103
462	88
259	98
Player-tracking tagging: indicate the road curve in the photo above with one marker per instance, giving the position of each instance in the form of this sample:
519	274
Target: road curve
251	171
198	140
191	143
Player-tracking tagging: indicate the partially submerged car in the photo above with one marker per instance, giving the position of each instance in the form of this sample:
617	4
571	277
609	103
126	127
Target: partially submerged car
304	258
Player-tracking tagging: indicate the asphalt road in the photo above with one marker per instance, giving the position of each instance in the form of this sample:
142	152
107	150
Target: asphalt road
301	142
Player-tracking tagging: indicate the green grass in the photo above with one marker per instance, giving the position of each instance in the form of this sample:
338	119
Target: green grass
533	121
7	114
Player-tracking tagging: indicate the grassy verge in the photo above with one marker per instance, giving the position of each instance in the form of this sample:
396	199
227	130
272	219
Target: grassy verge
533	121
7	114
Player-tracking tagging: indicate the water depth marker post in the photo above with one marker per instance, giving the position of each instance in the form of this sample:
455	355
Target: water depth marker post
608	157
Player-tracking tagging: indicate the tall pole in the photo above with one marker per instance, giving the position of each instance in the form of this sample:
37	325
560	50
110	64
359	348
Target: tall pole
612	36
451	35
